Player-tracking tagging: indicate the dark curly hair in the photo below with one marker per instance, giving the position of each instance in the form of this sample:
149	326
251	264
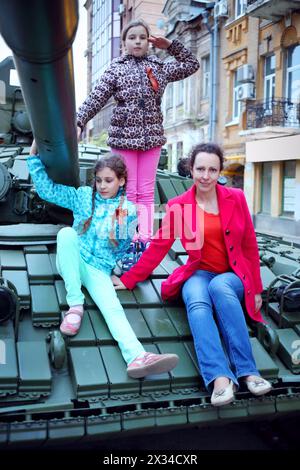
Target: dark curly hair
184	167
207	148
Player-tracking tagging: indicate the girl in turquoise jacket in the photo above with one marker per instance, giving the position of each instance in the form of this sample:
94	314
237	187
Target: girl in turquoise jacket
104	223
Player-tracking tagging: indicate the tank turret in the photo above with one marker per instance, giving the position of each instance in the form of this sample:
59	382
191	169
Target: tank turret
45	69
15	125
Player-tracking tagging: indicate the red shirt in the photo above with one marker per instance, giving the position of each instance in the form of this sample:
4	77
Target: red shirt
213	253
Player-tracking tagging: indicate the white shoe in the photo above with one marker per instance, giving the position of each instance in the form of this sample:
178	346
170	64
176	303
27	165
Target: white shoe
223	396
258	386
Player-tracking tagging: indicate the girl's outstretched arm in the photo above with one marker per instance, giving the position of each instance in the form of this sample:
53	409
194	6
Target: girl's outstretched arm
64	196
159	247
97	98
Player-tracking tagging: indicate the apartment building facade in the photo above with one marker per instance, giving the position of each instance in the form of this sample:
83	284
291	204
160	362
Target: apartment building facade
272	120
104	45
258	108
253	48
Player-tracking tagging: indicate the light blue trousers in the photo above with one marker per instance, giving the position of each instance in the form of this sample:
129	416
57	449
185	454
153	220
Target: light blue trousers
76	273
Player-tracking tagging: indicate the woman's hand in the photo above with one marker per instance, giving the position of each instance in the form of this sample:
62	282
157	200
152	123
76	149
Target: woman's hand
258	302
33	149
118	284
160	42
79	132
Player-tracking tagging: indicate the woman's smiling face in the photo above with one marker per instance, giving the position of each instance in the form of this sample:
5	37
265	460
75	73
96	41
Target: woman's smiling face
206	171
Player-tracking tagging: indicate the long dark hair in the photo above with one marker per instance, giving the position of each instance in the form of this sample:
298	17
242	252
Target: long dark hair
207	148
132	24
116	164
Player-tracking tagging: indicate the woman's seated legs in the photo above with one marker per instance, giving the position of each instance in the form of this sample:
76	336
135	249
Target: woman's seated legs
226	291
212	359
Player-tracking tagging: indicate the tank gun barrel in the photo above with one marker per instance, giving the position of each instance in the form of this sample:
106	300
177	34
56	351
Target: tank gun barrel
40	34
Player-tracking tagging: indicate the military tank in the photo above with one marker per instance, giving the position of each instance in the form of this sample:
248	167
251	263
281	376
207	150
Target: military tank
56	390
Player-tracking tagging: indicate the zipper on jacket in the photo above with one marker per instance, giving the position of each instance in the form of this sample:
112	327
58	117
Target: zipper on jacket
141	104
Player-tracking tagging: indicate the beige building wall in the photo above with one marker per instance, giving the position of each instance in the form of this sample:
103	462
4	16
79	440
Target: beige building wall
276	149
238	46
148	10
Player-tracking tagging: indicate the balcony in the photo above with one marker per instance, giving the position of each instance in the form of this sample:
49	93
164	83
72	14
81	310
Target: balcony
271	118
271	9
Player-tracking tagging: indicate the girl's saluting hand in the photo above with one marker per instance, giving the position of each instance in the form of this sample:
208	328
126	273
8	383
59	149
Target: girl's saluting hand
160	42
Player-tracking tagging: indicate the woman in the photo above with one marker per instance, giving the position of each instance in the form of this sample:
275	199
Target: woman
215	227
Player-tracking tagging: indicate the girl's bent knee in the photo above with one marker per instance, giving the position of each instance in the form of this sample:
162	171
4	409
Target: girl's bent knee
66	233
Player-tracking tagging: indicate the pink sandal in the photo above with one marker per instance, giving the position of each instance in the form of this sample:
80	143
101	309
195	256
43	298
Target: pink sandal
150	363
71	328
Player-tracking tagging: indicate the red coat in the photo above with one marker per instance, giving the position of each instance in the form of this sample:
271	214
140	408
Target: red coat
183	220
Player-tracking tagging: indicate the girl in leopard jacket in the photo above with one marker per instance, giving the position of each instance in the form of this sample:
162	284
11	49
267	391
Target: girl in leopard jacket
137	82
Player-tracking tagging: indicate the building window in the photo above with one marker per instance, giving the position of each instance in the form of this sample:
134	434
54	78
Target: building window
179	150
236	105
293	74
240	8
289	188
169	101
266	182
179	93
170	155
205	77
269	81
2	92
115	47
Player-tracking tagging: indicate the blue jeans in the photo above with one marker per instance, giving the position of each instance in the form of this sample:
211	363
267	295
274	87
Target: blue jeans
204	294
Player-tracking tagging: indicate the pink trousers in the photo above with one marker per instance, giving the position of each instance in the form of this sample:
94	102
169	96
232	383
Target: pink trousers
141	168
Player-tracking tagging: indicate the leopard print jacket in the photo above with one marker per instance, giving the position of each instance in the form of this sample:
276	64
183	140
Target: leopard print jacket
137	121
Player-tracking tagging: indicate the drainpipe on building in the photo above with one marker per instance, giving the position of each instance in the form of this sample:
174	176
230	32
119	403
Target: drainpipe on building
215	83
213	70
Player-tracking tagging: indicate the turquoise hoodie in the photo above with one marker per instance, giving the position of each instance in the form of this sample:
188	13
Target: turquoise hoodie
96	248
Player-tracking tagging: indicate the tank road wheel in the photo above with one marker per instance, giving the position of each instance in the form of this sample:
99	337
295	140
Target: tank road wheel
57	350
8	300
5	181
268	338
